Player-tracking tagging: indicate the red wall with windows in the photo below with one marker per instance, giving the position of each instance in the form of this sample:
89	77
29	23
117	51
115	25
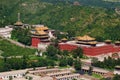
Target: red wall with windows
92	51
67	47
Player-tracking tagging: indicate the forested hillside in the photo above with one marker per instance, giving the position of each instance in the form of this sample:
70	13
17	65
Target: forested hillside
112	0
111	4
98	22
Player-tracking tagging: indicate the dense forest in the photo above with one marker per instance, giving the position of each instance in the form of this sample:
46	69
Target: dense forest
111	4
98	20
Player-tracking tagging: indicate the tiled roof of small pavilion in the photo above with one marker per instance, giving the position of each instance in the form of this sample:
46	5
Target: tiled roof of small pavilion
18	23
107	40
117	41
64	39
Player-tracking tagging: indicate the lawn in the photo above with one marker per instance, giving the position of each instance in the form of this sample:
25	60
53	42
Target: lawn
32	57
97	76
10	49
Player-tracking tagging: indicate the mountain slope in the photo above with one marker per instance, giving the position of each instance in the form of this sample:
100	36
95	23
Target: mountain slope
111	4
112	0
81	20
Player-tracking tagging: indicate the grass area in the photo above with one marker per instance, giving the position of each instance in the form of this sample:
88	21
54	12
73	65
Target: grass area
10	49
64	67
1	61
97	76
85	57
35	57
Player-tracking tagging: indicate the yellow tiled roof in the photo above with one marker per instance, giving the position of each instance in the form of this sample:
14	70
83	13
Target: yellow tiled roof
79	38
107	40
41	32
94	42
85	37
41	28
117	41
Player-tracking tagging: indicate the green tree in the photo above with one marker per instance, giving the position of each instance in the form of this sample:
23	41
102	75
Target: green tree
71	33
7	66
65	53
59	35
63	63
16	63
90	70
77	65
78	53
70	61
51	52
24	61
116	77
22	35
108	63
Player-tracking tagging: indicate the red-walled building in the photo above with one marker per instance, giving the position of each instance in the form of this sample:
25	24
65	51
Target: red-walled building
90	47
93	50
39	35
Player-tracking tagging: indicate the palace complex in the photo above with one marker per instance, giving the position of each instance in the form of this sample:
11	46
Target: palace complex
41	36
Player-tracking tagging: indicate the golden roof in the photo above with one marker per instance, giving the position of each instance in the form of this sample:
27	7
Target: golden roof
107	40
94	42
117	41
18	23
41	28
117	66
79	38
64	39
85	37
41	33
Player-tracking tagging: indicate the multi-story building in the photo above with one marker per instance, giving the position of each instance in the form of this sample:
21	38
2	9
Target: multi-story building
41	35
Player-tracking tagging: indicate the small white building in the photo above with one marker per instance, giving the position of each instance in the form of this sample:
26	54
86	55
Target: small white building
42	46
6	32
117	70
13	74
